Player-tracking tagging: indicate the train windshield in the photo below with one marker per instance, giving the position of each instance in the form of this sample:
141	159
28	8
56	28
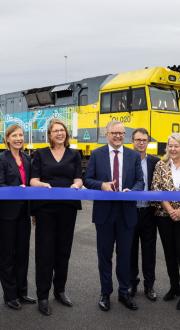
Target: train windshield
164	99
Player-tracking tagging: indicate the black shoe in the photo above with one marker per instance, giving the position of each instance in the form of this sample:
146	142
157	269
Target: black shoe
104	302
150	294
43	306
133	291
170	295
63	299
127	301
14	304
178	305
27	300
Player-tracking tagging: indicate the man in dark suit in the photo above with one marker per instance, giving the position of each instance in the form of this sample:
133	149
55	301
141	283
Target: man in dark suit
114	168
145	230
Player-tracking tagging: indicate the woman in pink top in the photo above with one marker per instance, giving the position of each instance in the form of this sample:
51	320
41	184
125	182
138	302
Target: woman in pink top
15	225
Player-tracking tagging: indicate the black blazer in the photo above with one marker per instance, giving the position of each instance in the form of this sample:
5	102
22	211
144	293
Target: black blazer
99	171
10	176
151	163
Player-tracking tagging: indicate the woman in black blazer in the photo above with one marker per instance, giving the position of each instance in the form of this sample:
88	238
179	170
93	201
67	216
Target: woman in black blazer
55	166
15	225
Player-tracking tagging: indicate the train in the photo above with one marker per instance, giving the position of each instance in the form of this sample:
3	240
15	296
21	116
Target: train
148	98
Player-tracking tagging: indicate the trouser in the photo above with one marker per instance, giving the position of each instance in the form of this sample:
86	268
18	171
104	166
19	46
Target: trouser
14	256
145	232
54	237
114	231
170	237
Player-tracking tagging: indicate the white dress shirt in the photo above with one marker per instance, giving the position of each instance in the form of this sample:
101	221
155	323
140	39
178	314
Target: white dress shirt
120	159
145	177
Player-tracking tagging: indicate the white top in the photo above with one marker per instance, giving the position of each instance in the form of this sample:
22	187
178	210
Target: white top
175	175
120	158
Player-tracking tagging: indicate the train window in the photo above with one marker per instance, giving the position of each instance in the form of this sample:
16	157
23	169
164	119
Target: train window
105	103
83	96
138	99
164	99
123	101
119	101
83	100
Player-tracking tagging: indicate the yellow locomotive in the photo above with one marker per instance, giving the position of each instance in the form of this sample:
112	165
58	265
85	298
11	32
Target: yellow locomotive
146	98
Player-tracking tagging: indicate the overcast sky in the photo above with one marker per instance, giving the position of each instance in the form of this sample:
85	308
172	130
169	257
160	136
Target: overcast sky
97	36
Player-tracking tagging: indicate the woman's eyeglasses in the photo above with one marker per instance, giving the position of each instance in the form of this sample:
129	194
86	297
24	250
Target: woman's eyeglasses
56	131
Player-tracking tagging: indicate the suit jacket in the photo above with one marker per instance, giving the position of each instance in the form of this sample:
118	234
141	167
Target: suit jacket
151	163
10	176
99	171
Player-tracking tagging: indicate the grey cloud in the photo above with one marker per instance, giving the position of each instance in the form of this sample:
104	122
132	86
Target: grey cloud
98	37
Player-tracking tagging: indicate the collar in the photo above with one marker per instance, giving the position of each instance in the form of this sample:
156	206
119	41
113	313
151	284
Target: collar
145	158
120	149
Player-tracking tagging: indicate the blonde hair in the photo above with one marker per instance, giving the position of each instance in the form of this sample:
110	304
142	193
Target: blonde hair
49	130
11	129
174	136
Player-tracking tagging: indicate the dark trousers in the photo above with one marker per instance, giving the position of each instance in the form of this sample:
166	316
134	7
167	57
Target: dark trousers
14	256
170	237
114	231
54	237
146	233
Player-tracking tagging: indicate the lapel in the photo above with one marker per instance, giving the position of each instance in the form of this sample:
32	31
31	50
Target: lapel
105	162
149	170
26	166
14	166
12	163
126	162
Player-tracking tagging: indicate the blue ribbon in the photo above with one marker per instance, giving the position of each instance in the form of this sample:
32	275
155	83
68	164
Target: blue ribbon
34	193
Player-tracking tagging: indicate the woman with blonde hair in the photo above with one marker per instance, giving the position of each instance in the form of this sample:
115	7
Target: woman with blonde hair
15	225
55	166
167	177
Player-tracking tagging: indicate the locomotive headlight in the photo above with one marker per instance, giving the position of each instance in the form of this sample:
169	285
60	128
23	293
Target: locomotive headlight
152	145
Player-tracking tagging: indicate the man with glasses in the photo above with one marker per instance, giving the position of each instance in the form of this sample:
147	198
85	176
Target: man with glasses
145	230
114	167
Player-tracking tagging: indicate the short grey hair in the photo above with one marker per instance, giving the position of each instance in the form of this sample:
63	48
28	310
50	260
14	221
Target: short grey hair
113	123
